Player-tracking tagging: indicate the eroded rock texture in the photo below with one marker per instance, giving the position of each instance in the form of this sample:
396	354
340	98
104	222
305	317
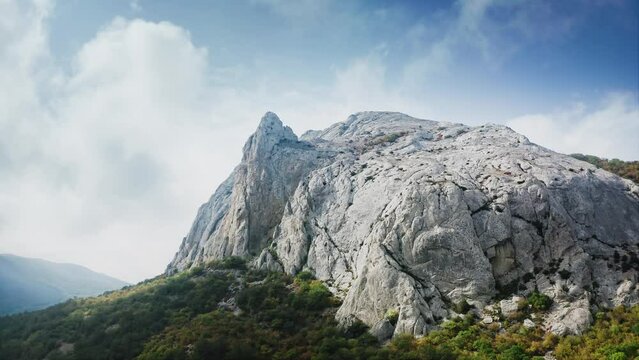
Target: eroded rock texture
396	213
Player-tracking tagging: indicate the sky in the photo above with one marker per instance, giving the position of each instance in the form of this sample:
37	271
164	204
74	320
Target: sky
119	118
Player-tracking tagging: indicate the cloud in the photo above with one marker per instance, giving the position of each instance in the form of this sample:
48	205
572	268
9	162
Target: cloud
105	162
360	85
491	32
24	66
609	129
465	26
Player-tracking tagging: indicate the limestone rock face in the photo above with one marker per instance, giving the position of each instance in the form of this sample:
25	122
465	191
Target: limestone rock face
397	213
510	306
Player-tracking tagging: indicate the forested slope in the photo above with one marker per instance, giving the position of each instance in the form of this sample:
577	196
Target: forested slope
224	311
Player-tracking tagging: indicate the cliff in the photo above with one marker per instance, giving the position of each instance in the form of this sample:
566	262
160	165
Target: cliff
409	216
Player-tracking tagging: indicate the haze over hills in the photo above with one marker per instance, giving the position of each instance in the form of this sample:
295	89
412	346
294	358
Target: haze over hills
29	284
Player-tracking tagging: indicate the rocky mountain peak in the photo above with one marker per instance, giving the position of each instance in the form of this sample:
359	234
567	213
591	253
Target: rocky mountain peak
414	216
271	126
373	123
270	132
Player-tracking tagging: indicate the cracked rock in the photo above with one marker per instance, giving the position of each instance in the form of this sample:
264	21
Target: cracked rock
394	212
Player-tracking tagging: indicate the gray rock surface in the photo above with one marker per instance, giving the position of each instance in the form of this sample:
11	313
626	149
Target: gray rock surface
529	323
394	212
383	330
510	306
569	318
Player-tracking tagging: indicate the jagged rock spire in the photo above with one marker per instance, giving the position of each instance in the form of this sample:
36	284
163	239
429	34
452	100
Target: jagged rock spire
269	133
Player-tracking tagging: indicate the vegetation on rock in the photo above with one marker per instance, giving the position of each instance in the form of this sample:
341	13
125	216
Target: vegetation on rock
625	169
225	311
539	301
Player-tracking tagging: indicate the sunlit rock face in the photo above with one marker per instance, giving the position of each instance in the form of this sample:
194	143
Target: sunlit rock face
400	214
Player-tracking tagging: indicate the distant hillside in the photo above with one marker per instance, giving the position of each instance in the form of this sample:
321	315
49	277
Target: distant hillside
626	169
30	284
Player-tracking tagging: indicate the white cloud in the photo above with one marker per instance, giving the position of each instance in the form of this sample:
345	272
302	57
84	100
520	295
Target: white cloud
447	36
23	59
107	170
610	129
490	32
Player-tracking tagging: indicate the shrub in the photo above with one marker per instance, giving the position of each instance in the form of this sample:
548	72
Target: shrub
539	301
617	356
392	316
197	270
627	169
387	139
514	352
356	329
483	347
403	343
305	276
233	262
312	295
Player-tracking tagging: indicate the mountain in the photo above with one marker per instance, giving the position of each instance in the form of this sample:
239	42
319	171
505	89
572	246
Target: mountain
28	284
424	219
346	242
